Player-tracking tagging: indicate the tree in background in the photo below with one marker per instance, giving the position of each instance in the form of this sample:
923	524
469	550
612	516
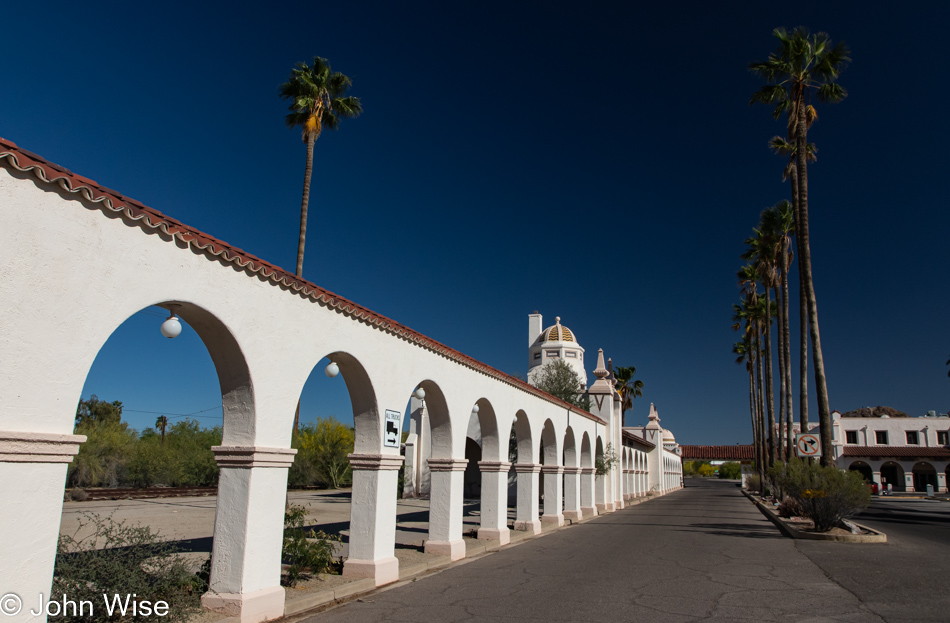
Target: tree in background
628	388
94	411
322	450
160	423
802	65
560	380
318	101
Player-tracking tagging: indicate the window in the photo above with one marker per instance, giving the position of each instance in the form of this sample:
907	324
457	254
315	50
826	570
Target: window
881	437
570	354
852	436
911	437
943	438
550	353
537	355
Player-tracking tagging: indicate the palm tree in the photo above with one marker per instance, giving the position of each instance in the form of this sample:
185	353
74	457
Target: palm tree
745	353
628	388
749	313
318	101
781	221
160	423
784	148
761	252
803	65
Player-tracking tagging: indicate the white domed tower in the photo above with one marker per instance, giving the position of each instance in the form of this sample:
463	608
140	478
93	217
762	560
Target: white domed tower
555	342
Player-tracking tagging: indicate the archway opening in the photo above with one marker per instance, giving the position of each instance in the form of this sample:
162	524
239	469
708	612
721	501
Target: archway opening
892	475
862	468
924	474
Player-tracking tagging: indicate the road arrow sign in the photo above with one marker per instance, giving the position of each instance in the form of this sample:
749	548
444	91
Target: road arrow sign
808	445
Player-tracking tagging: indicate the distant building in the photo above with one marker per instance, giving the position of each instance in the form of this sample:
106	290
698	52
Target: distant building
907	453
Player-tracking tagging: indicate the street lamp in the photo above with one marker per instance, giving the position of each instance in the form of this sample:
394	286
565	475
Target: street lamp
171	328
332	369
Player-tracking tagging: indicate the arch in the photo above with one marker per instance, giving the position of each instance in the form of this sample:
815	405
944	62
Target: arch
488	423
366	420
599	449
587	459
862	468
522	427
230	365
552	454
924	474
570	449
440	424
893	474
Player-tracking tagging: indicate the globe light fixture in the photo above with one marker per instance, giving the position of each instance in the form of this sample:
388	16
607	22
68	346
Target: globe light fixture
171	328
474	409
332	369
419	393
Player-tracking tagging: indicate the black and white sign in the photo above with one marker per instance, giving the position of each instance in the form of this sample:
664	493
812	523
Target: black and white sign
391	430
808	444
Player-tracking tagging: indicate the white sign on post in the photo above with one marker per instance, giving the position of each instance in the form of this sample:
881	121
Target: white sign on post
808	445
391	430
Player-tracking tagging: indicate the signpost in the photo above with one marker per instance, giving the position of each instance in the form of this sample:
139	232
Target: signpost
808	445
391	431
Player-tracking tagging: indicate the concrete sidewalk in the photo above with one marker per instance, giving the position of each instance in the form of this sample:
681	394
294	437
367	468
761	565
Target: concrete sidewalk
700	554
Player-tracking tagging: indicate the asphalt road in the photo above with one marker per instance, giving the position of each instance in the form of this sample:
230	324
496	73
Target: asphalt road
700	554
907	579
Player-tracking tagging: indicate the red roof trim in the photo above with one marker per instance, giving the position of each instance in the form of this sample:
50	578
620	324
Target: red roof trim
153	221
718	453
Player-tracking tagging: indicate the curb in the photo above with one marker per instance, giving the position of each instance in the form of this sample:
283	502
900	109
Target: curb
792	533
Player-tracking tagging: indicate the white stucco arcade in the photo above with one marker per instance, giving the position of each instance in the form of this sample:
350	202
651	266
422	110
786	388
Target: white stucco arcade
80	259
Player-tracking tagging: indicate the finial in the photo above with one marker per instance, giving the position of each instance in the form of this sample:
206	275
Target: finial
557	320
653	414
600	371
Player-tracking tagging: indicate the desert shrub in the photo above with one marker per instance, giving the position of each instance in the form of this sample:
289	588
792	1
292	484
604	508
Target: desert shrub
78	495
607	461
706	470
322	450
118	559
730	471
826	494
304	550
753	482
790	507
102	459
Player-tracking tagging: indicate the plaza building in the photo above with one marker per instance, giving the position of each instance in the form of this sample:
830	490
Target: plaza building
904	453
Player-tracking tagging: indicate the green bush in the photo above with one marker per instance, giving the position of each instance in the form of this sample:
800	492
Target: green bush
322	450
826	495
753	482
730	471
117	559
304	550
102	460
706	470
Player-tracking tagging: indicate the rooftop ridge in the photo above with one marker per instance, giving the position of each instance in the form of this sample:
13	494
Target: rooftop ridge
153	221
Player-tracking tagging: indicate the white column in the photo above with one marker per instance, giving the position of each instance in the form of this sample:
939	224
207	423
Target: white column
526	517
627	484
588	506
445	508
552	495
941	482
33	472
494	507
600	494
373	518
572	493
248	532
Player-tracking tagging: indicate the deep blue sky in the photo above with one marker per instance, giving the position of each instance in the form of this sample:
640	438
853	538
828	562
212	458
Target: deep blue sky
599	162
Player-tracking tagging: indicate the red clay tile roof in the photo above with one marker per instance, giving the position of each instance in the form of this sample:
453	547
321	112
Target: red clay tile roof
718	453
153	221
910	452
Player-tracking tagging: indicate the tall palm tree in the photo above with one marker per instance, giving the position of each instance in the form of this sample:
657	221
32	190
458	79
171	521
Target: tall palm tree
160	423
761	252
318	101
782	224
628	388
745	353
803	65
749	313
783	147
